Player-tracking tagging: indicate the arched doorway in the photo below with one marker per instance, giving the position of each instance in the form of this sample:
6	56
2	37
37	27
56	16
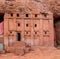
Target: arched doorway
57	31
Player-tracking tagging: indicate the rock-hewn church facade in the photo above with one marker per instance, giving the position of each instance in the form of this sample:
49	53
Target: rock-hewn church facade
28	23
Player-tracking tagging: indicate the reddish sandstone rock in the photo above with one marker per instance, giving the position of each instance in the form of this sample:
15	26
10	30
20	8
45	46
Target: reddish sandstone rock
9	49
18	48
19	51
18	44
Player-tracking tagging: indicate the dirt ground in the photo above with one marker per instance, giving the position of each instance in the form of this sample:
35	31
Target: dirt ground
36	53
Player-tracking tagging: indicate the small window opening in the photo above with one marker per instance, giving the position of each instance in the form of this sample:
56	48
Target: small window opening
11	14
17	15
27	15
35	25
45	32
35	15
10	32
26	32
35	32
45	15
18	24
27	25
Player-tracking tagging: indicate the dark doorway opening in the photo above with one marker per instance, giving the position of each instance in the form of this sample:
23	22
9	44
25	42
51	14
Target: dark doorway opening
18	36
1	17
57	31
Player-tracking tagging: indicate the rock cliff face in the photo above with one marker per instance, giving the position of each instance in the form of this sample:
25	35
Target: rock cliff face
54	6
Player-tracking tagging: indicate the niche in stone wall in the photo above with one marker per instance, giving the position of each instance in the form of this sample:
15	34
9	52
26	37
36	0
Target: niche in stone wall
27	33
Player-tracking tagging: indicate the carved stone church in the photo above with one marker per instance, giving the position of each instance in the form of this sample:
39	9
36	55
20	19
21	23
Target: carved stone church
29	22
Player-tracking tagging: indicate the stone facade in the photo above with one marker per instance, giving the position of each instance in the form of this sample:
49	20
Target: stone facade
30	23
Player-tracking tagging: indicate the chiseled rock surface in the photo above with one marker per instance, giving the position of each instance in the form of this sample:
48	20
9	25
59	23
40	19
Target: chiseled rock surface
37	53
54	6
18	48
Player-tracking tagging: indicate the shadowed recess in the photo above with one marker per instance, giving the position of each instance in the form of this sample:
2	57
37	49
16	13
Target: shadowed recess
1	17
57	30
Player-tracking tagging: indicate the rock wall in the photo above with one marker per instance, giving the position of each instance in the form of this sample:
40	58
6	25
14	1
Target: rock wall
54	6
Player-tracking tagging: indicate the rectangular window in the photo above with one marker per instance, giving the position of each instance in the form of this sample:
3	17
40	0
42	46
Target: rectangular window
26	25
36	15
18	24
11	14
17	15
27	15
35	25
